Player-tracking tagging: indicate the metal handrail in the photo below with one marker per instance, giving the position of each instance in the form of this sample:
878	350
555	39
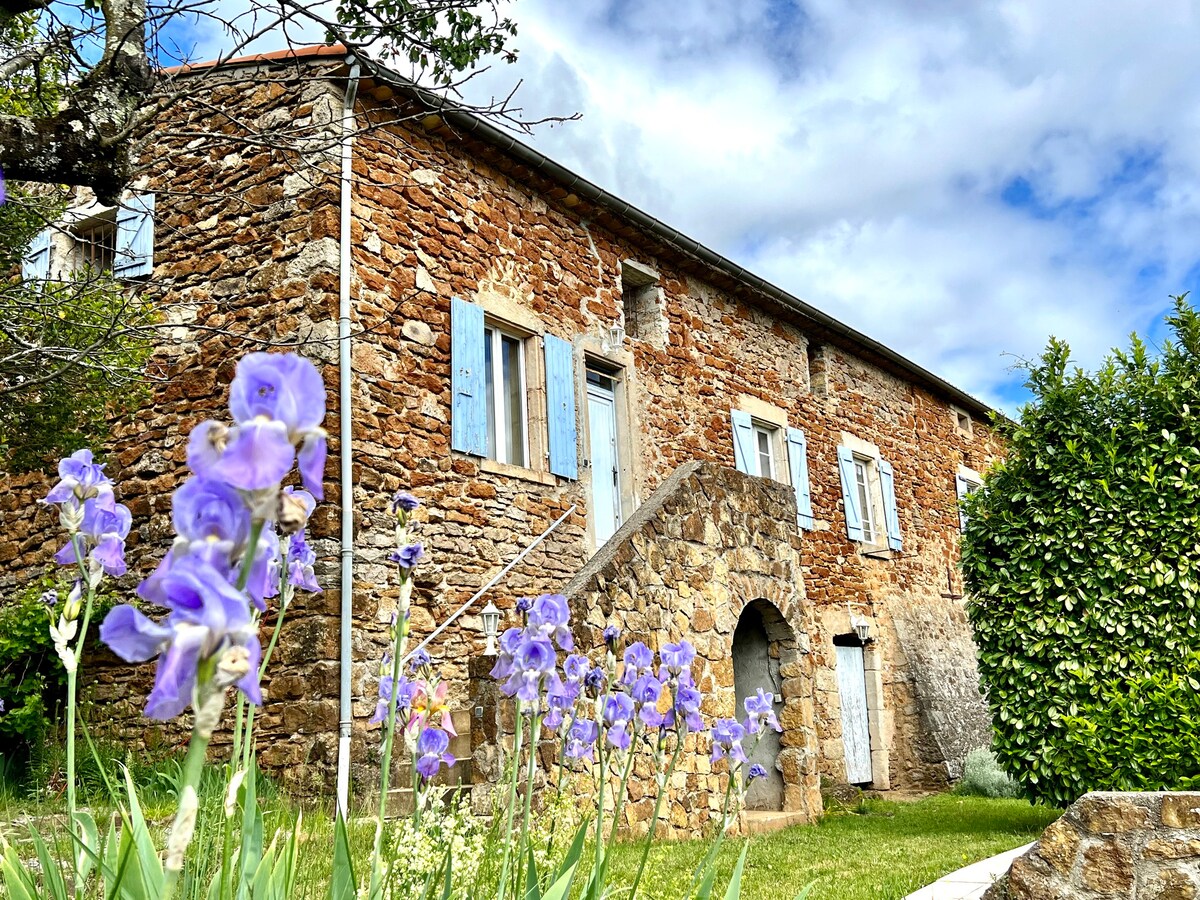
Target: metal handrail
487	587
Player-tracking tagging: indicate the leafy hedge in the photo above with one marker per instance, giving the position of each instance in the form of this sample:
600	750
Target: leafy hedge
33	684
1082	554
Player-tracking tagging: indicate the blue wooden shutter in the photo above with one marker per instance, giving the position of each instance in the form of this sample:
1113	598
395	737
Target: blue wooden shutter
134	254
560	406
887	484
743	440
798	465
35	266
854	520
962	487
468	382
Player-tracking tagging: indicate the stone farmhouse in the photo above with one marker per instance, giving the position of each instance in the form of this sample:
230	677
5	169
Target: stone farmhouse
520	348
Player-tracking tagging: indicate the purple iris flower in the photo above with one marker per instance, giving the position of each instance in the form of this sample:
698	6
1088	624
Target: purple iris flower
756	771
676	659
79	478
594	681
611	634
645	692
408	557
278	402
419	659
300	560
510	640
576	668
581	739
618	711
431	754
727	737
104	527
532	663
560	700
287	389
524	604
404	695
204	509
263	582
49	598
550	615
638	661
208	617
686	707
404	502
760	712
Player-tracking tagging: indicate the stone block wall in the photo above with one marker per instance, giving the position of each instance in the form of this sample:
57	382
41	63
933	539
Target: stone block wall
1113	846
245	258
706	545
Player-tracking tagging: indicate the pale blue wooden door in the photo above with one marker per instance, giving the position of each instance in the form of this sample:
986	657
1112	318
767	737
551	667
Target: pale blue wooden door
606	466
856	735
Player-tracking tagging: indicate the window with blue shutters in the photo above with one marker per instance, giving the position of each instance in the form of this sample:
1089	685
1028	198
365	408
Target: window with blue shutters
468	381
849	467
891	519
798	469
560	407
35	266
133	253
743	442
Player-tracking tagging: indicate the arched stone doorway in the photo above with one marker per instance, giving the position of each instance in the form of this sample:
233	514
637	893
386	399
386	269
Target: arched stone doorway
760	641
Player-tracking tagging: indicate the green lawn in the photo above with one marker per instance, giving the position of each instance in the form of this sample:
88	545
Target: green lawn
883	853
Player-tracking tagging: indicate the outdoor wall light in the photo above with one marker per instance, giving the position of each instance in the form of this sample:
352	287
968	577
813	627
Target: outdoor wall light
861	627
615	338
491	627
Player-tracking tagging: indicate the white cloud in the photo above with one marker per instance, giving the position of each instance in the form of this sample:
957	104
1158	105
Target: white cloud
857	154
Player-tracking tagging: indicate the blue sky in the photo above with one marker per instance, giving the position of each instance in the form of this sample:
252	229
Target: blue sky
957	179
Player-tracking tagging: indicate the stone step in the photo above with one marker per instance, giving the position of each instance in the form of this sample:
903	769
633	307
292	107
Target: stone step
756	821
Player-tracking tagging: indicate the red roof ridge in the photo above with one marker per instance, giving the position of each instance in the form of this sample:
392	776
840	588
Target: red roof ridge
309	51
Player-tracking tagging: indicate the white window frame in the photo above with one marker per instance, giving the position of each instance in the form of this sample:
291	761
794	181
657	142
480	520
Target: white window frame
771	433
494	334
866	482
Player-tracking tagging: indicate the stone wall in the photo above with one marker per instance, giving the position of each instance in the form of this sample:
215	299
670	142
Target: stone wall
1115	846
245	257
709	543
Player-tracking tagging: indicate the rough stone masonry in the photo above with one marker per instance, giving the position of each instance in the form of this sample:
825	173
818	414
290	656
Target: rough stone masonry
445	216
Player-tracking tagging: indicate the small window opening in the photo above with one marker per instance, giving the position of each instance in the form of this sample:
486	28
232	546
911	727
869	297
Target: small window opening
817	380
641	302
96	243
962	421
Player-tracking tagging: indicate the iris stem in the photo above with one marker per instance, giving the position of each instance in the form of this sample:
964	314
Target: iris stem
72	689
374	890
562	752
239	736
209	701
534	733
506	837
662	791
716	845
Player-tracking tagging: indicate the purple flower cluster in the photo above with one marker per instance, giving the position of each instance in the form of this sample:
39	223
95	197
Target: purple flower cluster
528	658
226	558
277	401
96	523
431	752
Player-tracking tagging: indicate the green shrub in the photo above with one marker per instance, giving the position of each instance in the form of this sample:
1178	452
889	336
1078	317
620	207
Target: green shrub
1082	556
32	679
983	777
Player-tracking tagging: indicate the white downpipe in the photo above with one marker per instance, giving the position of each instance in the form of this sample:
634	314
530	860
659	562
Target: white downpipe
345	457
